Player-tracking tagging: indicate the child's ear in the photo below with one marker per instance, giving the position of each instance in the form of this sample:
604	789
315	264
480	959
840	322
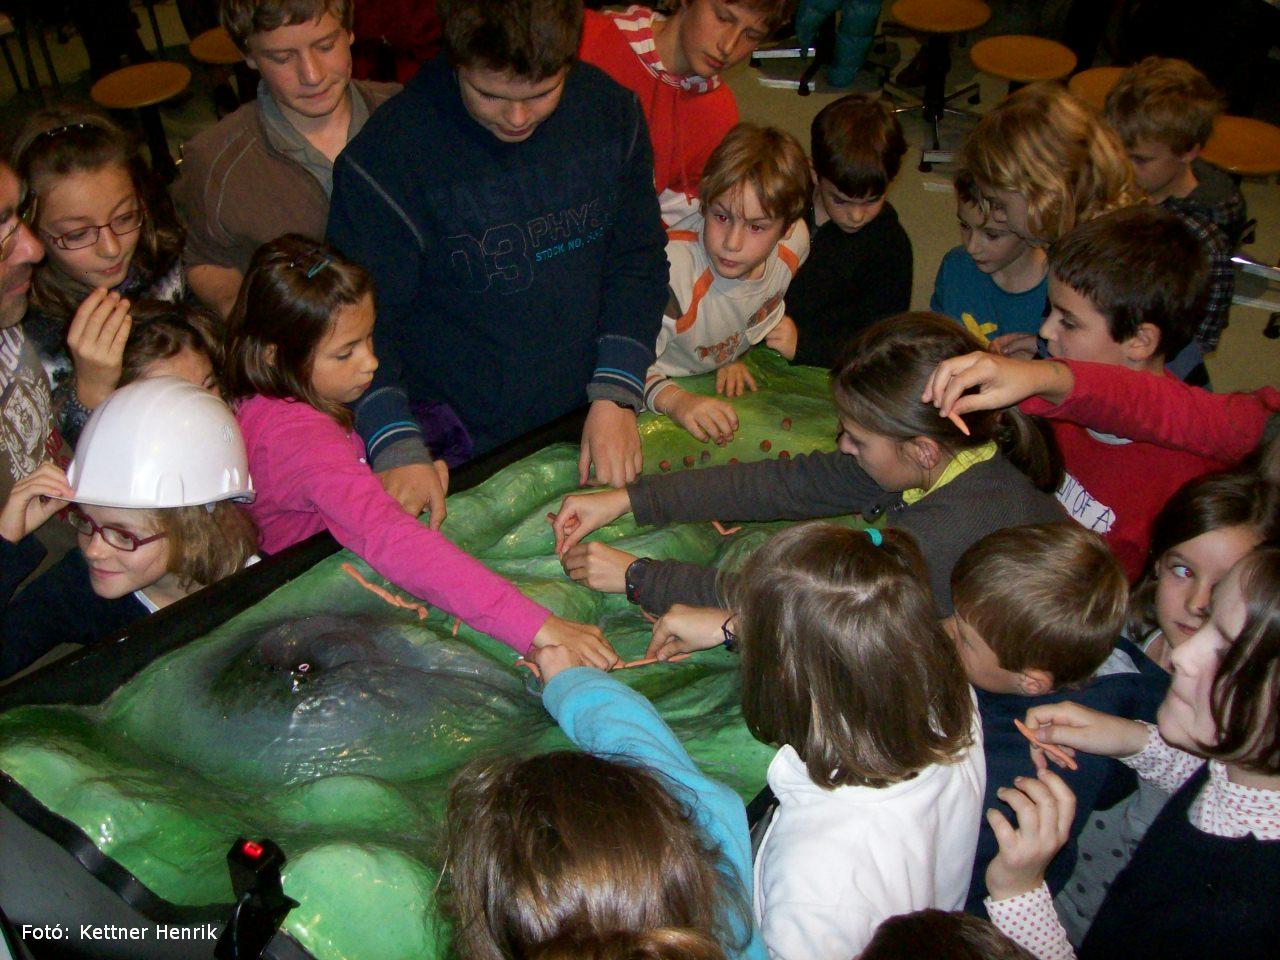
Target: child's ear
1191	154
269	352
1035	683
924	452
1144	344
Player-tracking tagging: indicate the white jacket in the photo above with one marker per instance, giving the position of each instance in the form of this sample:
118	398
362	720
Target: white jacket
835	863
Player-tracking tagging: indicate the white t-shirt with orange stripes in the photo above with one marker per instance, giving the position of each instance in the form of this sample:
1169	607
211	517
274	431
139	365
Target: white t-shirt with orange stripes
719	320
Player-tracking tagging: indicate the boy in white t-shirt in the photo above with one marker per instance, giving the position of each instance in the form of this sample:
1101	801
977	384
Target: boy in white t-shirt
731	264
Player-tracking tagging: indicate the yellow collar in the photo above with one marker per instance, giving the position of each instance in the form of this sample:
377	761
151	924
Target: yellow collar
961	462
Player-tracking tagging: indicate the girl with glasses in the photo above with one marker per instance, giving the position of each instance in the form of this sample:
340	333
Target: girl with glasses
110	236
151	488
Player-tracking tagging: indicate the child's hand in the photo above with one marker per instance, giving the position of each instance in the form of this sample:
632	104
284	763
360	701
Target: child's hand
553	660
585	643
1045	807
582	513
96	339
32	501
1075	727
784	338
610	444
419	486
1020	346
733	380
598	565
684	629
707	418
1000	381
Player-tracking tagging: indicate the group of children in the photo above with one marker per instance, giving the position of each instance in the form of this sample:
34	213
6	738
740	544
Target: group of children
1059	533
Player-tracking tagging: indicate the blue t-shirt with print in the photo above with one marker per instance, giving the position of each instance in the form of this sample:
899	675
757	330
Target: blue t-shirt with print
963	292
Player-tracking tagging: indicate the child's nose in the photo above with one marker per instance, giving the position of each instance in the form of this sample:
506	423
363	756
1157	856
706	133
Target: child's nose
517	115
108	243
1198	599
309	71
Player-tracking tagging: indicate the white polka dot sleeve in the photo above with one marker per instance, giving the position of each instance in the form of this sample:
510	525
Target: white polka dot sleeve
1030	921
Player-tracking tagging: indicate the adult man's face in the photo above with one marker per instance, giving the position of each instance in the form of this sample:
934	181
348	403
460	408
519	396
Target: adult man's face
306	66
19	251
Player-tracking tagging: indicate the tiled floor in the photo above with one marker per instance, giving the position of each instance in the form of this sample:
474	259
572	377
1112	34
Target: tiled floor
924	201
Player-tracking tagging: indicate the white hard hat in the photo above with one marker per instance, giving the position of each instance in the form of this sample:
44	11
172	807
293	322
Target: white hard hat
160	442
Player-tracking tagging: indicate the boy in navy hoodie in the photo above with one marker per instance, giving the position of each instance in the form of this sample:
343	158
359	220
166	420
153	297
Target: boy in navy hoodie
1038	615
504	204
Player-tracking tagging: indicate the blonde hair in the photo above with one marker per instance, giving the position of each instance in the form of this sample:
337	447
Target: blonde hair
1053	150
207	542
1166	101
770	160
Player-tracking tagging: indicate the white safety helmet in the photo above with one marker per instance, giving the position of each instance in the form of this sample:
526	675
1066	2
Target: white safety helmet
160	442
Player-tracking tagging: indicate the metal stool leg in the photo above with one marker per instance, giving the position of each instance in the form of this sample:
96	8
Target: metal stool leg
48	60
162	164
155	28
13	67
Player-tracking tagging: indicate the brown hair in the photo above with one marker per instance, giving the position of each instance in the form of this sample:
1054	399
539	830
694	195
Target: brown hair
207	542
774	11
879	383
1235	498
1139	265
572	855
67	139
843	657
966	188
769	160
1045	596
286	306
1166	101
162	330
1245	701
1053	150
939	935
532	39
244	18
858	145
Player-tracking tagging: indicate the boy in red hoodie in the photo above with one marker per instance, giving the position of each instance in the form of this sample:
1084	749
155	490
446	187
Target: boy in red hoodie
673	64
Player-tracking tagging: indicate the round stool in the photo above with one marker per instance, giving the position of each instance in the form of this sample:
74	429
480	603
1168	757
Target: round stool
215	47
1244	146
1021	59
142	87
938	20
1093	85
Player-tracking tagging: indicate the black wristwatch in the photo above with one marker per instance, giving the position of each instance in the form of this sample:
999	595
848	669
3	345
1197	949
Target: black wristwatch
629	578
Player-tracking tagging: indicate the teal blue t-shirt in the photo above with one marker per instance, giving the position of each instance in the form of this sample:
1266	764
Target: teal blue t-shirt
963	292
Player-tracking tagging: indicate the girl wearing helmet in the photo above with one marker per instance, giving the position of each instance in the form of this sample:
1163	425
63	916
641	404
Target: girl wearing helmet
151	487
301	349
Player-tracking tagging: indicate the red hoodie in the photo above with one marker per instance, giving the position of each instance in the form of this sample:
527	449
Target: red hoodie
687	116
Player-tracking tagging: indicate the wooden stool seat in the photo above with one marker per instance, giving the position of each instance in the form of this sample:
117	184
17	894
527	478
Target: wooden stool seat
141	85
1244	146
215	47
941	16
1022	59
1093	85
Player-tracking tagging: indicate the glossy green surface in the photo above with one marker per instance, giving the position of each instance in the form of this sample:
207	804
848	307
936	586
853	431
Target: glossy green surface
330	721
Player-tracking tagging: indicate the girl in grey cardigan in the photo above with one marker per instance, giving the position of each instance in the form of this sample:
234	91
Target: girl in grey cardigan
897	459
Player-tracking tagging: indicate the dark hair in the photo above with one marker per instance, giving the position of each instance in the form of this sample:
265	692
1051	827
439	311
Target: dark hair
1138	265
1045	596
66	139
243	18
770	160
571	855
162	330
1245	701
879	382
967	188
1235	498
843	657
532	39
286	307
857	144
941	936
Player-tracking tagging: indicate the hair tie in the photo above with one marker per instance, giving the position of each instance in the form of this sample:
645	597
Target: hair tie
877	538
59	130
317	267
299	263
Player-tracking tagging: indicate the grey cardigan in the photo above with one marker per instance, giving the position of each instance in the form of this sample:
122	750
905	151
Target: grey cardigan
989	496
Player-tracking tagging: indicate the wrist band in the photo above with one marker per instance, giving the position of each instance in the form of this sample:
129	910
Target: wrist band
730	638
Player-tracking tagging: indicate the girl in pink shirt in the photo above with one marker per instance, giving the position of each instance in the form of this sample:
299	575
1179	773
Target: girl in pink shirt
301	349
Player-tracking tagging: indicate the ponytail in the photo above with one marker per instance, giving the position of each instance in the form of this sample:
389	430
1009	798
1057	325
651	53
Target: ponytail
1027	443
